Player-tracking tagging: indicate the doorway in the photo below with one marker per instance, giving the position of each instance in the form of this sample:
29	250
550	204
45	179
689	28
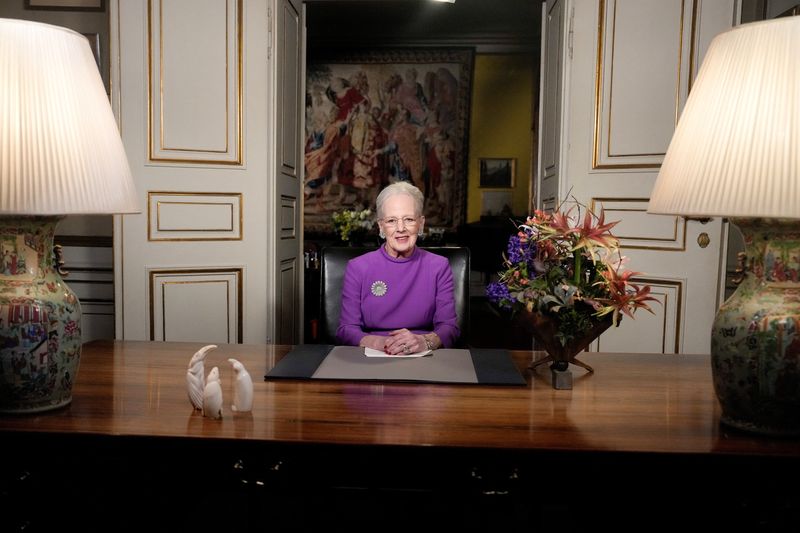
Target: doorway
501	120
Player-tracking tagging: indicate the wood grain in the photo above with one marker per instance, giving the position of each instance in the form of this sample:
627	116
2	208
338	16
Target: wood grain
635	403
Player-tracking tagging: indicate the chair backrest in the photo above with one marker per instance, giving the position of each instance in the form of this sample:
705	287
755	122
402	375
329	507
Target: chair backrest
333	261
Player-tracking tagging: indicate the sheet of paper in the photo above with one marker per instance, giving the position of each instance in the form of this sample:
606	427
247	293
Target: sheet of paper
371	352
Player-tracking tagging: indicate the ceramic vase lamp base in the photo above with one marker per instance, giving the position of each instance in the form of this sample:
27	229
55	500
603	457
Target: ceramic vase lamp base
755	343
40	319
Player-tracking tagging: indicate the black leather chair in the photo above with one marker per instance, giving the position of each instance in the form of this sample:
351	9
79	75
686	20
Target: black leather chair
333	261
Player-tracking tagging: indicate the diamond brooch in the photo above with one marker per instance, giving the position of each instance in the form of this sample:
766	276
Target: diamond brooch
378	288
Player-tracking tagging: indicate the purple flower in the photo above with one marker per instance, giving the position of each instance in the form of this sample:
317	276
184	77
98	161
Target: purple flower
498	294
520	252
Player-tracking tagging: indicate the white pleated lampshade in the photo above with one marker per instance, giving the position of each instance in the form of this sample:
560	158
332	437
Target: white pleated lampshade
736	149
60	149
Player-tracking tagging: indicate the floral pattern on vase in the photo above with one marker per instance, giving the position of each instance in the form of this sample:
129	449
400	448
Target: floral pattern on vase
755	343
40	330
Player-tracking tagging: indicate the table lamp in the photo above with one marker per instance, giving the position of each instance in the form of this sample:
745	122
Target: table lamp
736	153
60	153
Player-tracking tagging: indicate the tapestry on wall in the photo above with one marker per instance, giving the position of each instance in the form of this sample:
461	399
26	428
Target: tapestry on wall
374	118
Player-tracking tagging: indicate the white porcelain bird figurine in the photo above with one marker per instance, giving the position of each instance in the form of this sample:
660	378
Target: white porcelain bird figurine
212	395
242	389
196	376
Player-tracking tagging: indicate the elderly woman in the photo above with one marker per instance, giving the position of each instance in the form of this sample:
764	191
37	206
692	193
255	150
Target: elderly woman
399	298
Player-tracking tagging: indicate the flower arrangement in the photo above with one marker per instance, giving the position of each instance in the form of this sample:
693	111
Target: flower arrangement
350	222
569	270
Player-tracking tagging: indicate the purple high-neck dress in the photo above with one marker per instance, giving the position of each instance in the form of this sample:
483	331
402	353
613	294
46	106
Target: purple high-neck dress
382	293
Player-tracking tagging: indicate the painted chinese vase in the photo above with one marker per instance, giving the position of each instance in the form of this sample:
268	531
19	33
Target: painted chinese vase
40	328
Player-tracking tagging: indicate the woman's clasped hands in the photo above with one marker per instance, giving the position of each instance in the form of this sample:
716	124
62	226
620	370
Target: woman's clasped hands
403	342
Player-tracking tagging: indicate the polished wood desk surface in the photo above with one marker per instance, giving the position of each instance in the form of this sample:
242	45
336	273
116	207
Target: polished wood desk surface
632	403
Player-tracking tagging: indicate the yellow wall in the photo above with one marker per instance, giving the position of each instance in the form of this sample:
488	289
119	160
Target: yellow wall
500	124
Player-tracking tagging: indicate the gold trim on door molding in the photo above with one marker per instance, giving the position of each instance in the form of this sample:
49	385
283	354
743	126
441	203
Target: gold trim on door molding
598	109
164	304
151	231
158	216
238	274
692	51
678	285
678	305
238	105
682	245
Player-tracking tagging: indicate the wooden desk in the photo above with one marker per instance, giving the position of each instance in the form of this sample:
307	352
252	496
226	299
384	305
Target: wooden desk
316	453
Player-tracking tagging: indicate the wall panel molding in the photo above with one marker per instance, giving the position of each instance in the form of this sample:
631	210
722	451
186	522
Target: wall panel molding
194	216
184	301
288	216
638	229
551	104
195	81
289	278
289	107
650	333
645	57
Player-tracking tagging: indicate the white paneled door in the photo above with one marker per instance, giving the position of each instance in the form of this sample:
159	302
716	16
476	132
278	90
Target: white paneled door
196	85
616	74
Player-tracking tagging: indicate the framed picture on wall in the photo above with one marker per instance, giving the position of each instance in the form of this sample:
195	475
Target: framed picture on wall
497	173
377	117
67	5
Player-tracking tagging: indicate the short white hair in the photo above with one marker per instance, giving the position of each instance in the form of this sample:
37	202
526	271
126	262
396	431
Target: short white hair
400	187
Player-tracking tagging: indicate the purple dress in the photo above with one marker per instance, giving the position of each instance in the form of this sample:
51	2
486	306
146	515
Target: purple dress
382	293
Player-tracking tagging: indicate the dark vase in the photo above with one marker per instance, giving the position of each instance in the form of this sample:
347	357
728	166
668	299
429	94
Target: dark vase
544	328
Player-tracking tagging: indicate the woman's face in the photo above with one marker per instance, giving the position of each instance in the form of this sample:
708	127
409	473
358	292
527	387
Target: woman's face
400	224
